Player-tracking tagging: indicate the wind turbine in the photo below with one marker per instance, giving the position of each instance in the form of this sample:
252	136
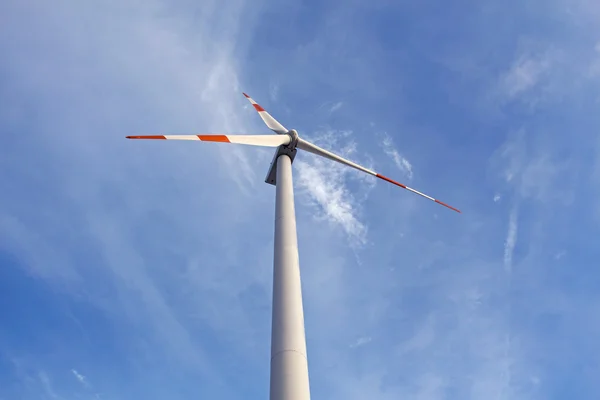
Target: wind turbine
289	365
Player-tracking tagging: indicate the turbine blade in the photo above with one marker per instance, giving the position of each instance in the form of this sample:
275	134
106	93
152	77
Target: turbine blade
253	140
271	122
311	148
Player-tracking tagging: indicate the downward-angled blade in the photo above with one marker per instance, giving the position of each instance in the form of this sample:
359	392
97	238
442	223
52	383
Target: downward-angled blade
271	122
311	148
253	140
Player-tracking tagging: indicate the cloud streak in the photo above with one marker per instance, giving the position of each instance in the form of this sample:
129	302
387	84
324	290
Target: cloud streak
325	184
511	239
335	107
402	163
524	75
361	342
79	377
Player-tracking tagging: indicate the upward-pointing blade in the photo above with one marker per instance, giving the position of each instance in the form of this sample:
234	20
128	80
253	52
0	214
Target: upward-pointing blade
311	148
253	140
271	122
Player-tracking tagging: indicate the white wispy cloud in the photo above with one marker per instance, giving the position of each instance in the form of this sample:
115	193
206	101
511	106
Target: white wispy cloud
326	183
274	91
594	67
361	341
401	162
198	90
336	106
331	107
47	385
525	73
79	377
511	239
530	167
539	75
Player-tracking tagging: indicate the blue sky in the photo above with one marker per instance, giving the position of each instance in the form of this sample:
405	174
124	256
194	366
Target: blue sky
143	269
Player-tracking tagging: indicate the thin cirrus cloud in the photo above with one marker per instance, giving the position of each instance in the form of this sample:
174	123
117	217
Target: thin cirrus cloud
336	106
325	184
524	74
402	163
511	239
79	377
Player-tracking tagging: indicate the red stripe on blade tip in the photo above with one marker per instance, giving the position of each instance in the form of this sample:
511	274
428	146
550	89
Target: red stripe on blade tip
258	107
446	205
147	137
214	138
385	178
246	95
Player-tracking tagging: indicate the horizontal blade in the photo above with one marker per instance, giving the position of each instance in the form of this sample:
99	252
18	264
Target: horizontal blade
271	122
253	140
311	148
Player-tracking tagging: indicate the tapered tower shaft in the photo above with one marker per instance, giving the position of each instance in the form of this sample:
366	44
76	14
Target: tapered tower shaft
289	366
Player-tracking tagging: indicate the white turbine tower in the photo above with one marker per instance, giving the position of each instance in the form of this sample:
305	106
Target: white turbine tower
289	365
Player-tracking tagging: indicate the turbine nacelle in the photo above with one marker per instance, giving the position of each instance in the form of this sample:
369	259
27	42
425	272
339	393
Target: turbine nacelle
285	149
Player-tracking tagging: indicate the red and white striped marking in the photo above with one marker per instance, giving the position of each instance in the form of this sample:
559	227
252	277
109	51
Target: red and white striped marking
311	148
385	178
271	122
253	140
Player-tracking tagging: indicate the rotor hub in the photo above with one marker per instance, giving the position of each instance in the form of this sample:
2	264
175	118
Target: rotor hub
288	150
293	134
